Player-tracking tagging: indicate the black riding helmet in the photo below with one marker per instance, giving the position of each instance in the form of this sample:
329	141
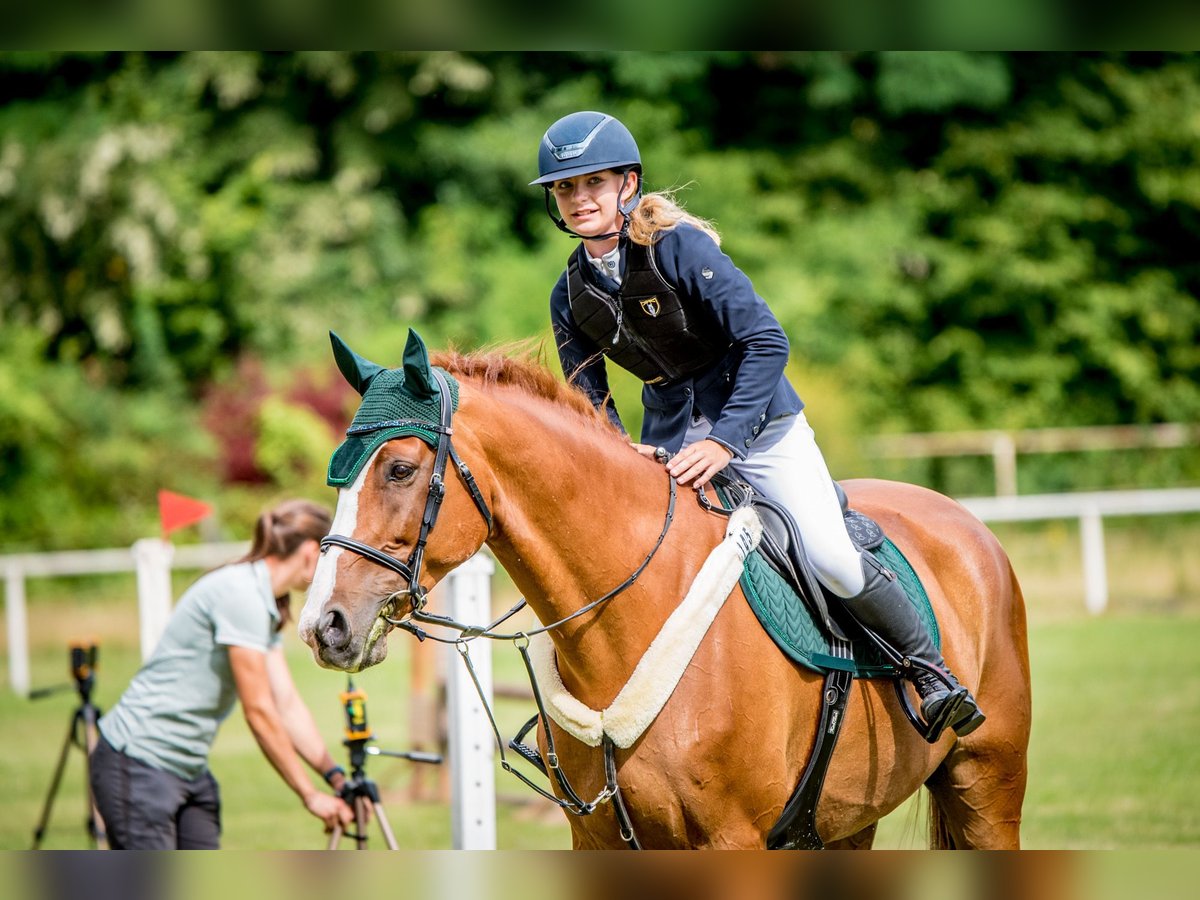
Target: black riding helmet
587	142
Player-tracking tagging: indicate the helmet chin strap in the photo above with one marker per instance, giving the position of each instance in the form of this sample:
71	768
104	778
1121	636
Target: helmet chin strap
624	209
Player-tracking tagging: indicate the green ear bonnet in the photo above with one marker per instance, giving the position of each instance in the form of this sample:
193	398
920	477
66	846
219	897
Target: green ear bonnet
396	403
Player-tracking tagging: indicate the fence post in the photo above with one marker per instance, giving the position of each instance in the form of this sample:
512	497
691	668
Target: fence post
18	630
152	559
472	753
1004	462
1095	573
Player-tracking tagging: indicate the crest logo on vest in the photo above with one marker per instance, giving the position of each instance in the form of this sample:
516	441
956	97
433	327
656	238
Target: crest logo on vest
651	306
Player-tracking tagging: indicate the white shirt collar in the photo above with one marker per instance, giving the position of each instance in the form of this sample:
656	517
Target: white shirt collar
609	264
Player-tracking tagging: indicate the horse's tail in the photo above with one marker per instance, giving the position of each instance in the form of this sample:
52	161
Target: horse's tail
939	833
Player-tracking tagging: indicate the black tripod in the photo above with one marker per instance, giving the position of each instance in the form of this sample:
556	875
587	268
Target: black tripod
82	733
360	791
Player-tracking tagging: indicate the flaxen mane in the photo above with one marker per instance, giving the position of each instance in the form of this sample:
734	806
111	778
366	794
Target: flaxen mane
519	366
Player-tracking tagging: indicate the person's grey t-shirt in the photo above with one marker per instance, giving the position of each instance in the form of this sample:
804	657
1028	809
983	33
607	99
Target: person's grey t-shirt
169	714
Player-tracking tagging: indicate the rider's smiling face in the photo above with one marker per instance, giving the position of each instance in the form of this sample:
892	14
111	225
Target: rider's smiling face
589	204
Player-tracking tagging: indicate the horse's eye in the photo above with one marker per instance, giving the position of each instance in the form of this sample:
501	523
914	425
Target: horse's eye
401	471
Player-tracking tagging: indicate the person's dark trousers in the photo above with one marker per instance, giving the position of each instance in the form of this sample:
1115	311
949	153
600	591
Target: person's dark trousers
146	808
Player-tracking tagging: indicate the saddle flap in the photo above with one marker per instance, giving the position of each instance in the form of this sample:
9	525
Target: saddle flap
783	549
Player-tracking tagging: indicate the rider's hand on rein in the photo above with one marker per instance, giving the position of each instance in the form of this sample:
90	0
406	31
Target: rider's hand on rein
698	462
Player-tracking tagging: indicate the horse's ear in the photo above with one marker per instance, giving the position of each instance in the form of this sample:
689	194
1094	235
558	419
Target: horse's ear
357	371
418	376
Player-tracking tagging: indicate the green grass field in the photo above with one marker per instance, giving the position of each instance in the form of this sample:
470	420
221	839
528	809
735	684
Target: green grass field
1113	759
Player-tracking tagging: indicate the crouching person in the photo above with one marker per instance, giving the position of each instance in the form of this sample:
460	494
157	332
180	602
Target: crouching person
222	644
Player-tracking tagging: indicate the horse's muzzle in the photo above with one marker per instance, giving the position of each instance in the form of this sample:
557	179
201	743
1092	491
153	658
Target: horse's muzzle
333	631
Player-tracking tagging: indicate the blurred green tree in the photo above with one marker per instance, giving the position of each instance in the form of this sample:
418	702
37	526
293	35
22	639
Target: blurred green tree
952	240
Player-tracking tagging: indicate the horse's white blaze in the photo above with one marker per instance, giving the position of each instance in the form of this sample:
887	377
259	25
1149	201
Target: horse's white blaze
345	520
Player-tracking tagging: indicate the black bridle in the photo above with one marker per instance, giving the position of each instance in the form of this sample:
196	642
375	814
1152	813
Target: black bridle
410	571
416	595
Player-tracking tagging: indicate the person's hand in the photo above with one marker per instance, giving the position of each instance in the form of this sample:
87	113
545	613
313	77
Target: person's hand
697	463
329	809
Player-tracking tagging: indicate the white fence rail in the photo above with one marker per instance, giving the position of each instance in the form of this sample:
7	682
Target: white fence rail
1090	509
151	559
1004	446
472	753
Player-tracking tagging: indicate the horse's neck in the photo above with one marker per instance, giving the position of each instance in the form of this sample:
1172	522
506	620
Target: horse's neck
578	513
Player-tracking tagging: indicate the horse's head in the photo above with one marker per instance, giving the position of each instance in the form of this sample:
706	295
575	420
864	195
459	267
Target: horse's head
383	552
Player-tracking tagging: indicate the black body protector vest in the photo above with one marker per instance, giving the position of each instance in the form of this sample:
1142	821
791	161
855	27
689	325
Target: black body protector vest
646	328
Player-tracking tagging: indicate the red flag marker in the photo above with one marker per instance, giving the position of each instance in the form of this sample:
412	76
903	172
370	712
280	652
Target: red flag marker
177	511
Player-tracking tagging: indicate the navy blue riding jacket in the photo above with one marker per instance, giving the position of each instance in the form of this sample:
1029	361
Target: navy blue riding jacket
739	394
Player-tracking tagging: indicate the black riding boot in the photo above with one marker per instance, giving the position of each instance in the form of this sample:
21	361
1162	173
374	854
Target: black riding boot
883	607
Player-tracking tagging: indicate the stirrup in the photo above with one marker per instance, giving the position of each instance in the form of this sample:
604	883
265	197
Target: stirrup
950	707
907	668
930	730
952	713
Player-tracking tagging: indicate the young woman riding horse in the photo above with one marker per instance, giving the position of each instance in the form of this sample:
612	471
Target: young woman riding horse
649	288
487	449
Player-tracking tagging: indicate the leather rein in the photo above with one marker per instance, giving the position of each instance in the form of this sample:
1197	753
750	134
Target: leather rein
417	596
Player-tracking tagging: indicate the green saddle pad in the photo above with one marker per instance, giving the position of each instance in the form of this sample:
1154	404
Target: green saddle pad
792	626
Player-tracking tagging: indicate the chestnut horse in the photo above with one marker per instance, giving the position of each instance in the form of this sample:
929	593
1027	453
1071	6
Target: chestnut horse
574	512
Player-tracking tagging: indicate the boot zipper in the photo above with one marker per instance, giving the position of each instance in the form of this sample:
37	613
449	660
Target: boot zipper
881	568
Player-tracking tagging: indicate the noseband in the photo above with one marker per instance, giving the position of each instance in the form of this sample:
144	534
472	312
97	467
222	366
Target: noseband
411	570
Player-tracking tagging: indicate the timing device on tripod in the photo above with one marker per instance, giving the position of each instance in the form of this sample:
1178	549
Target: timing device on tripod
82	733
359	791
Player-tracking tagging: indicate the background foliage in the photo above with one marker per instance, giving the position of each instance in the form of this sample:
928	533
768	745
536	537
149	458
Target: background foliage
951	240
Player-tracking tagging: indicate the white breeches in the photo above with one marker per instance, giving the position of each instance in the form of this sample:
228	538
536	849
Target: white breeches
786	465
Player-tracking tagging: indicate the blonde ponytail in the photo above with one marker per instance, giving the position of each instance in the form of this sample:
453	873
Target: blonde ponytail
659	211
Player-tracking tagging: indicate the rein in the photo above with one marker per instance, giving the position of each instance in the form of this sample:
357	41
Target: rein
471	632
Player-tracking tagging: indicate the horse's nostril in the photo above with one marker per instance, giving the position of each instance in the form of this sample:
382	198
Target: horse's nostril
333	630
